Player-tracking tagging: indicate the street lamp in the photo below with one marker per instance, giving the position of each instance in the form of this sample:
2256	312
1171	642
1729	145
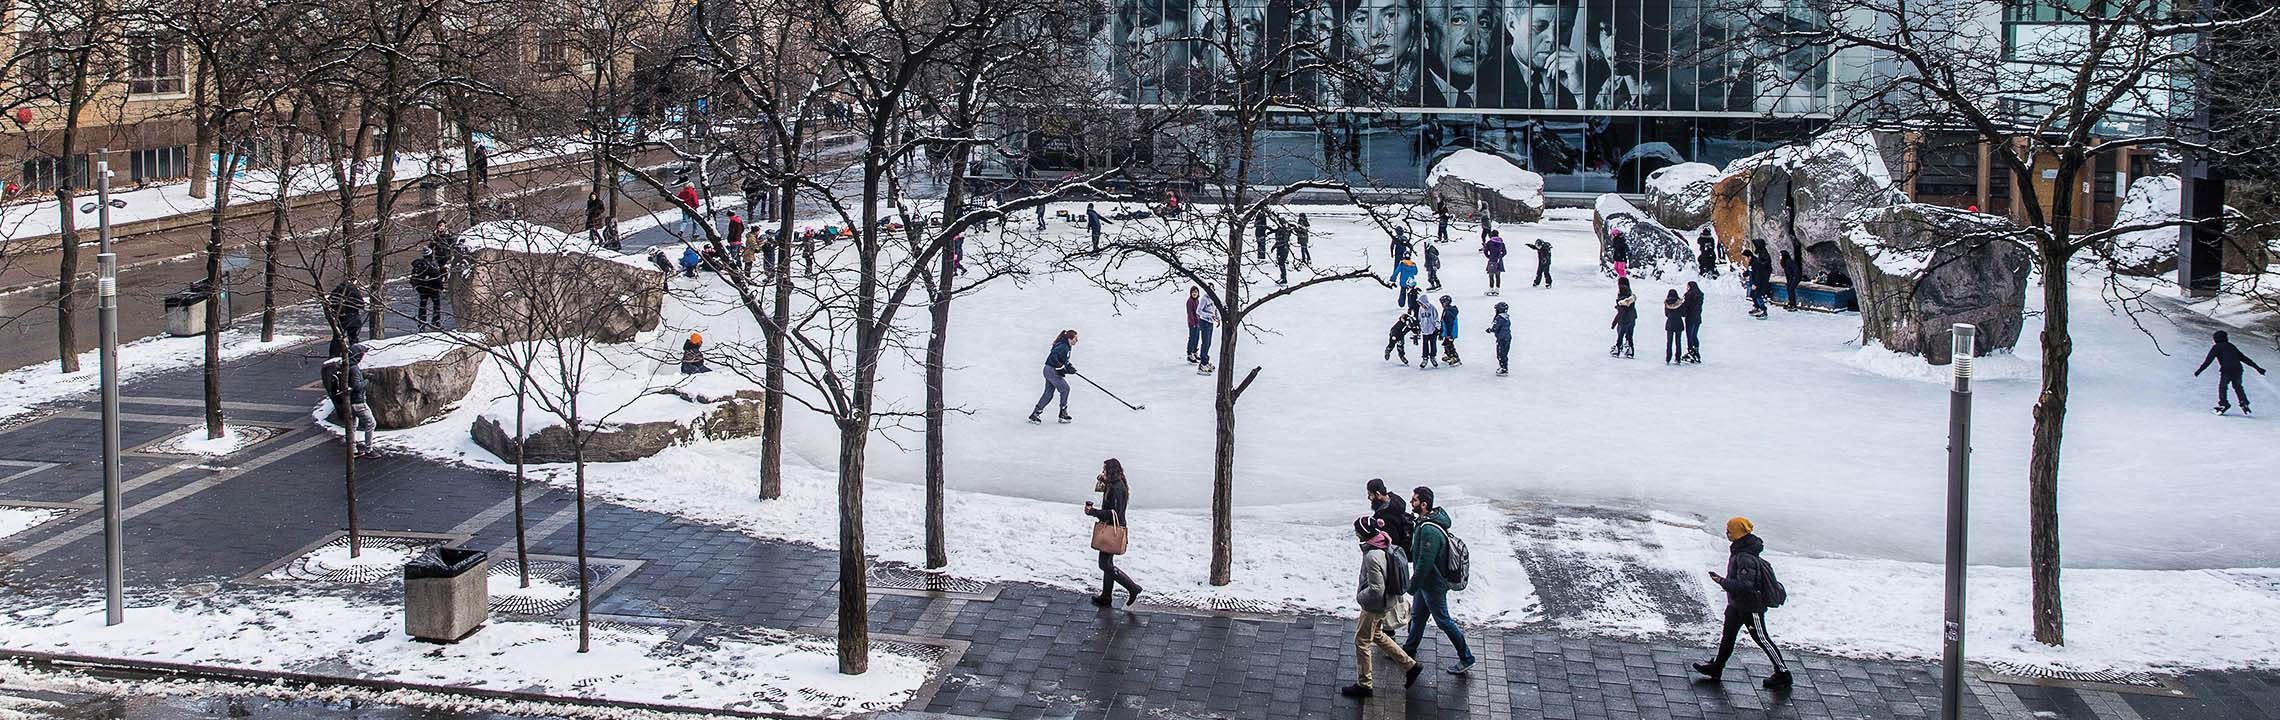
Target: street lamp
1960	350
107	332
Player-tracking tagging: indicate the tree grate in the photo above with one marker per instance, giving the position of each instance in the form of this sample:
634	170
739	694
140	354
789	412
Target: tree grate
904	577
2123	678
554	572
303	569
1211	604
254	435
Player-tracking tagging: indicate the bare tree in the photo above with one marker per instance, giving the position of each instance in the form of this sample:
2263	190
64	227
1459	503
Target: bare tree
65	57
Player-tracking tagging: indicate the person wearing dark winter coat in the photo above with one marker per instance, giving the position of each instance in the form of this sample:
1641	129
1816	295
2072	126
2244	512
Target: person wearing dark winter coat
1305	241
1400	246
344	380
1792	271
1093	221
1494	249
1449	333
1392	513
427	279
1758	280
1195	328
693	355
1397	338
1259	233
1619	253
1543	250
1501	328
1282	252
1706	257
1428	590
1692	301
1626	319
1057	366
1115	496
1747	581
2229	360
1674	328
1440	222
1376	599
1432	267
344	311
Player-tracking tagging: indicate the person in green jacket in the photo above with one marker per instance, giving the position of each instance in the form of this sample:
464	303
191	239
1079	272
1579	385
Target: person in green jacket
1428	591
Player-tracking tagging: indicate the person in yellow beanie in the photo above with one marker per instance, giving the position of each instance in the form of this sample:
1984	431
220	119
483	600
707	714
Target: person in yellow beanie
1750	588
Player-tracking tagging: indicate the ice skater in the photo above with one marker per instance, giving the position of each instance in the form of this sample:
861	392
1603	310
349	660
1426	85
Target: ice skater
1750	588
1692	301
1115	496
1206	318
2228	359
1057	368
1619	253
1399	245
1674	328
1501	329
1397	338
1404	280
1093	221
1449	333
1543	250
1758	281
1432	267
1706	259
1259	231
1792	271
1626	318
1305	241
1428	329
1493	249
1440	222
1282	253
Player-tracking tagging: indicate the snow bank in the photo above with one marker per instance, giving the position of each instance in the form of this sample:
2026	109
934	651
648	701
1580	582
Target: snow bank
1855	149
23	388
2152	200
403	350
16	519
1489	171
1679	195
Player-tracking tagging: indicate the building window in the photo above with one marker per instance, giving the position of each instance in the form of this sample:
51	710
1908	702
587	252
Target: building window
154	65
46	73
553	51
46	172
159	163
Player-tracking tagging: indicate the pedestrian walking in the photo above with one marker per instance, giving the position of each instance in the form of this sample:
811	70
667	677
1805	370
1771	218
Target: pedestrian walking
1449	333
1750	588
1501	329
1384	573
1282	253
427	280
1493	248
344	312
1626	318
1692	302
2229	360
1093	221
1259	231
1706	258
1057	366
1115	495
1619	253
1305	241
344	380
1392	513
1543	250
1397	338
1399	245
1674	328
1404	280
1432	267
1428	584
1428	329
1792	270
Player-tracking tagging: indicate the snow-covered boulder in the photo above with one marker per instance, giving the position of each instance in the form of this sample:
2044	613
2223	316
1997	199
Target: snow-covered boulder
631	425
1653	249
2156	203
1679	195
1799	196
520	281
411	379
1469	178
1919	269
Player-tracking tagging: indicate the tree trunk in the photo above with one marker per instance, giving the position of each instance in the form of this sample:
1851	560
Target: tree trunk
854	580
287	154
384	200
772	398
522	538
937	352
67	227
214	316
201	134
467	150
2050	414
1223	409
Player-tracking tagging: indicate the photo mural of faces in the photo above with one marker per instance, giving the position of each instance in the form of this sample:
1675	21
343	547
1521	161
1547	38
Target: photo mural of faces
1602	55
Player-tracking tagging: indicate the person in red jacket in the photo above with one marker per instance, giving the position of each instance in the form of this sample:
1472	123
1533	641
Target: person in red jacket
691	205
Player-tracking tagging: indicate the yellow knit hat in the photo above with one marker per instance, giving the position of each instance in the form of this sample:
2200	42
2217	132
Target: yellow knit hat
1738	527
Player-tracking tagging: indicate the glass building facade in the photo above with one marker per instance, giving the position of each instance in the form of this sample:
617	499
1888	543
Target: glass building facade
1592	94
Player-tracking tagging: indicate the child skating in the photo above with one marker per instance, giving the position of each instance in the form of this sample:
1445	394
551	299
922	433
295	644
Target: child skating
2229	359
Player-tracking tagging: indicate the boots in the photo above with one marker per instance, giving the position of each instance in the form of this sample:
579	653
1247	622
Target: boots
1779	681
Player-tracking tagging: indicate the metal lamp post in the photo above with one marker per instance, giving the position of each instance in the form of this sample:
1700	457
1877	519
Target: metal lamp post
107	324
1963	343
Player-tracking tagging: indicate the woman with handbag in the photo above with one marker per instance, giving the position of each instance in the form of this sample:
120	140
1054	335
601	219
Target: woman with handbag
1109	532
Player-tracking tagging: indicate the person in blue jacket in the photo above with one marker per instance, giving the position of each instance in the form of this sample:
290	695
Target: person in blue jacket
1404	278
1501	328
1093	221
690	260
1449	333
1057	366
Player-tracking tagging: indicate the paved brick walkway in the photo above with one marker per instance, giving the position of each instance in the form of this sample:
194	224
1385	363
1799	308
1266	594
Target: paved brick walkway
1020	651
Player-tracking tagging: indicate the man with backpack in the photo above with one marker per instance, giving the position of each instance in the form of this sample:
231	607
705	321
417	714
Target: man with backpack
1391	512
1750	588
1439	564
1385	572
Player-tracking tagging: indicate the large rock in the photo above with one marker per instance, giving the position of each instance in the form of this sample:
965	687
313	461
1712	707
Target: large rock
1654	249
520	281
1730	214
634	428
1470	178
1799	196
1679	196
1919	269
2155	202
410	379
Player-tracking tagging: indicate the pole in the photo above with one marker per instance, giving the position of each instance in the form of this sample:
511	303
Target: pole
107	323
1958	516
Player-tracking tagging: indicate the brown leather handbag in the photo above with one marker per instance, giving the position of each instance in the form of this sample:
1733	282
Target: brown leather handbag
1109	537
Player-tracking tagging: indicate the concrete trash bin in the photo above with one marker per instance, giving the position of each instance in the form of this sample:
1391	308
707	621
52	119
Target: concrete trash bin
447	594
186	310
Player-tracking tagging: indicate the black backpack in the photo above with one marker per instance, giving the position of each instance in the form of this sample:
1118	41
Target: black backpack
1455	561
1396	572
1775	594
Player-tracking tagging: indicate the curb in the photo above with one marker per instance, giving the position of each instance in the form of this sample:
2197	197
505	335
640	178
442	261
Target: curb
283	679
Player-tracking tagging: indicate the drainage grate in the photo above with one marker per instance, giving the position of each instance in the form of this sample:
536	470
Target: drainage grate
2107	680
1212	604
554	585
904	577
382	561
184	443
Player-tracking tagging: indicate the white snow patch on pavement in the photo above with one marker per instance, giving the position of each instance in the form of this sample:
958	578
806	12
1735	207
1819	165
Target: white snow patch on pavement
26	387
16	519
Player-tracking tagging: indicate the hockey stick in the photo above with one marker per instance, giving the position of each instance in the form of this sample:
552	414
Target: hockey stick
1104	391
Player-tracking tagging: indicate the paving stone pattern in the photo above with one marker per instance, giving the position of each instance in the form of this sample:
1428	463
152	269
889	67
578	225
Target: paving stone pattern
1031	652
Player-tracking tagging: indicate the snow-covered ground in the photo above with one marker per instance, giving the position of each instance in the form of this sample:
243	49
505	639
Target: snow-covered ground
25	387
1836	451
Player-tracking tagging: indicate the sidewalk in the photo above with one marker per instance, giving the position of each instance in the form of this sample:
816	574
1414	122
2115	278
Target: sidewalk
202	528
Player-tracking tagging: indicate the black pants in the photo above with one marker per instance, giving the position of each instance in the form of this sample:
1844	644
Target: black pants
1432	277
1503	353
1543	274
1395	346
1111	577
430	312
347	336
1790	286
1693	337
1672	340
2223	381
1735	621
1624	337
1449	350
1496	281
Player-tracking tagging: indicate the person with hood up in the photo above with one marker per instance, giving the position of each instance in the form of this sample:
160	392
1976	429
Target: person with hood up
2228	359
1057	366
427	279
690	261
1750	586
1493	249
1692	305
344	380
693	355
344	311
1706	257
1115	495
1432	267
1404	280
1428	590
1428	329
1501	328
1619	253
1674	328
1626	319
1377	595
1449	333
